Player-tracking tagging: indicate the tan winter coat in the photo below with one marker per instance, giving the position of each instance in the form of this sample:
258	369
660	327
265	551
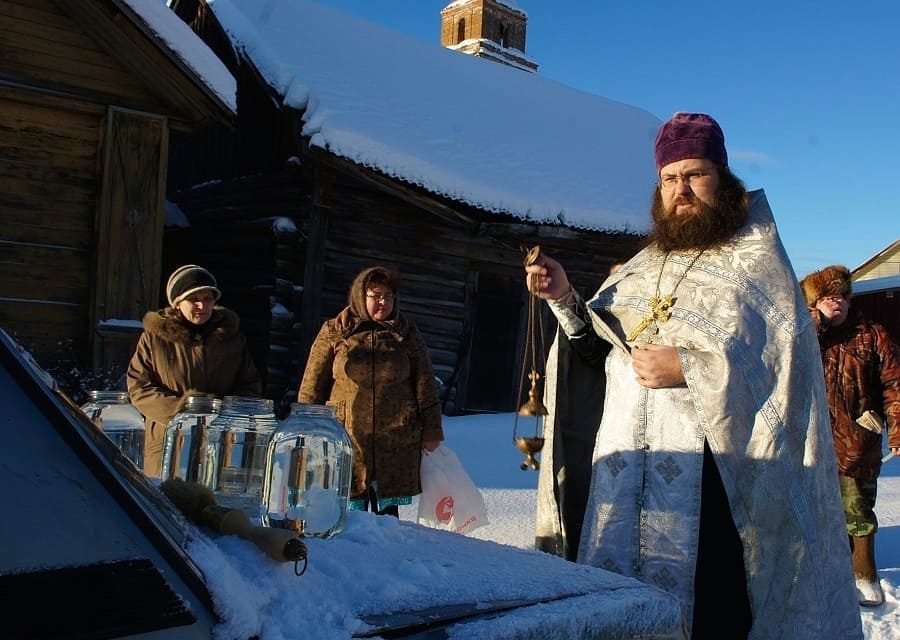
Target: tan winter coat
380	378
174	357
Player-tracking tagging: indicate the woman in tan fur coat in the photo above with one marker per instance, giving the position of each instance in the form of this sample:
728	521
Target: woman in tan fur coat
191	347
371	363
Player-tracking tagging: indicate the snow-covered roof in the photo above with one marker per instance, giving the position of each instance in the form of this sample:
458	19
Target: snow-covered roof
876	285
478	132
188	47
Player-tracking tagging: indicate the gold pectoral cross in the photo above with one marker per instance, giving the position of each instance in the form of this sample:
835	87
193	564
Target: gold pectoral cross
660	311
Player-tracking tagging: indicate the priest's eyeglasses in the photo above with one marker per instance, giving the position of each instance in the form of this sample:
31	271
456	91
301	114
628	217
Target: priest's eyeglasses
669	181
380	297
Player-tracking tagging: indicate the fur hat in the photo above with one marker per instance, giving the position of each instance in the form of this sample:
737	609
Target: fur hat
189	279
830	281
690	135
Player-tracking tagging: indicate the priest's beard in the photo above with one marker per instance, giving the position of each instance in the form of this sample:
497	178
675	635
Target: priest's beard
707	227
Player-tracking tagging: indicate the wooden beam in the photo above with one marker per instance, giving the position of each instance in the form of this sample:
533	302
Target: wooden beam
393	186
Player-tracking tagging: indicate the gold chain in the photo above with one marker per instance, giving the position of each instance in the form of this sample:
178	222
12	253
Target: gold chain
661	306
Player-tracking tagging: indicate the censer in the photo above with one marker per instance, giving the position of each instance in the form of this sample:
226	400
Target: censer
534	344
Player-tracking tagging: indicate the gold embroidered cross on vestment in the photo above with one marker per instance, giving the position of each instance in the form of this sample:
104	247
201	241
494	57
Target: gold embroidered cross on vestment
660	306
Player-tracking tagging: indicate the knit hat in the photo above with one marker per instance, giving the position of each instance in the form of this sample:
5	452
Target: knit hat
189	279
830	281
690	135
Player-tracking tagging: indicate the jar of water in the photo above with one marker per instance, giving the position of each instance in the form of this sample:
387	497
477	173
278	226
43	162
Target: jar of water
237	438
186	452
113	412
309	463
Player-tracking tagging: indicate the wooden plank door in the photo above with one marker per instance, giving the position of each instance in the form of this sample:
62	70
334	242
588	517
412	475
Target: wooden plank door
129	232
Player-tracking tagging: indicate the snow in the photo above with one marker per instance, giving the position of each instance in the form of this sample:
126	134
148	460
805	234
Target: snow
279	309
284	225
475	131
271	600
175	217
882	283
511	4
120	322
379	564
188	46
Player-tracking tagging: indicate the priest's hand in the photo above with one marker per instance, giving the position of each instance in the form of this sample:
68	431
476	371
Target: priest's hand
546	278
657	366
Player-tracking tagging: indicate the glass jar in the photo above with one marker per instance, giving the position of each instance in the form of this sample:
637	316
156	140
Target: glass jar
114	414
186	449
309	463
234	463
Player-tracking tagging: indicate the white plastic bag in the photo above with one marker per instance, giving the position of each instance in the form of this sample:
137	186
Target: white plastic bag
449	500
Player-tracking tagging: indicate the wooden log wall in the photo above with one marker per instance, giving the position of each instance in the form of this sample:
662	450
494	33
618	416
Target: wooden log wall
49	177
64	66
48	193
445	268
42	45
262	248
249	234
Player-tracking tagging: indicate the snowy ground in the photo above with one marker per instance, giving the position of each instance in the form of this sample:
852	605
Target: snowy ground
485	447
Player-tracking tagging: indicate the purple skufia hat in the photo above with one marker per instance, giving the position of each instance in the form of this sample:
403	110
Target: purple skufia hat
690	135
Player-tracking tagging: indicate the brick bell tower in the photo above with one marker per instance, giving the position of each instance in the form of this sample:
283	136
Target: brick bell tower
491	29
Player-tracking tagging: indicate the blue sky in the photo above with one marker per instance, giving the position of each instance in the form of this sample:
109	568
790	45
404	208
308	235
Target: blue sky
808	94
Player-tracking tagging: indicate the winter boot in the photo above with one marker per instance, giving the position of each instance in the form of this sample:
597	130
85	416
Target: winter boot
868	588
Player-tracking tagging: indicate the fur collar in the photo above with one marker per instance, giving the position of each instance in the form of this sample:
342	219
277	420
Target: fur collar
169	325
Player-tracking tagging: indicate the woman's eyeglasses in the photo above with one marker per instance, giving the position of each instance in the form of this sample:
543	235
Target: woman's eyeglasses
380	297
